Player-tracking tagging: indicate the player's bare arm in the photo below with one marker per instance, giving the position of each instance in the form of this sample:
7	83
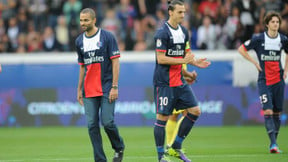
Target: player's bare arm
80	82
163	59
200	62
246	55
190	77
113	95
285	67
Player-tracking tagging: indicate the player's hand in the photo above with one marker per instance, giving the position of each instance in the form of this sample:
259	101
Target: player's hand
80	97
113	95
201	63
285	75
189	57
258	67
191	77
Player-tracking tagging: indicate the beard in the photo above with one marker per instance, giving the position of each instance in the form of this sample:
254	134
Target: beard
87	28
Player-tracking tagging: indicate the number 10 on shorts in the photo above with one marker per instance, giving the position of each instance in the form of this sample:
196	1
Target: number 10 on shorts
163	101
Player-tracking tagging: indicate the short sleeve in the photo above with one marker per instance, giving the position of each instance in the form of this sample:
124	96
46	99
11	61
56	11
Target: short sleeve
251	43
285	44
161	41
79	51
113	49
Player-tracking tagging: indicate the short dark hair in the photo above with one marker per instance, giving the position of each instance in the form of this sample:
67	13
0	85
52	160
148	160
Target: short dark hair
269	16
90	11
173	3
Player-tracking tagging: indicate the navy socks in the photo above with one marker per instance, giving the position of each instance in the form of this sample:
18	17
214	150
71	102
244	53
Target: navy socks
185	127
270	128
277	123
159	136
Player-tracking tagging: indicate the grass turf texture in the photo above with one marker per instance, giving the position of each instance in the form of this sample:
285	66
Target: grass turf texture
204	144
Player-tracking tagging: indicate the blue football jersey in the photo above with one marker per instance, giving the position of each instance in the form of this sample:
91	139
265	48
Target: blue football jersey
95	53
174	43
268	52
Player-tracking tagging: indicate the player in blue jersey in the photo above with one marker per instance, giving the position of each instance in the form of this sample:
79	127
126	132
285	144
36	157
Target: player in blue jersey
268	46
98	57
170	89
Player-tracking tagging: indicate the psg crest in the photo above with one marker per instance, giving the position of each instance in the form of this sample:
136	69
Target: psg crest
99	44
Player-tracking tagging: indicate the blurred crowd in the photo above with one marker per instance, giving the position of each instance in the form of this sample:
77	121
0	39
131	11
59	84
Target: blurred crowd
52	25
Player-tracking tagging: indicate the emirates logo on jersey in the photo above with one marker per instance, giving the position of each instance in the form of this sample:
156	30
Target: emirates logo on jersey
177	52
94	59
271	57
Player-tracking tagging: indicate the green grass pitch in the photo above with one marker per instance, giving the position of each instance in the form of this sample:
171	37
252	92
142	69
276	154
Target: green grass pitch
204	144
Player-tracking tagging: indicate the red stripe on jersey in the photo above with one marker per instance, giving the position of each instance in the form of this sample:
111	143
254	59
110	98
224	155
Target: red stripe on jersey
272	72
161	50
92	81
244	47
80	63
114	56
187	50
175	75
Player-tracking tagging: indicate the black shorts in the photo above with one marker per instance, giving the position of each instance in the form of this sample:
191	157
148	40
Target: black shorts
272	96
168	98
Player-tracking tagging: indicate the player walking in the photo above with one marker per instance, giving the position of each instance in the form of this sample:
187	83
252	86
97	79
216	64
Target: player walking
268	46
170	88
174	121
98	57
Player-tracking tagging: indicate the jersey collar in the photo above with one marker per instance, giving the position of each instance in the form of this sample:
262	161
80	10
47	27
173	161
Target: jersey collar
172	26
93	34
